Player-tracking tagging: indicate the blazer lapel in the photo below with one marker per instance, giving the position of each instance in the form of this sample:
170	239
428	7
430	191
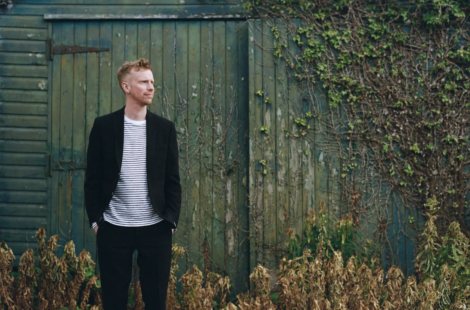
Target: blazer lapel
118	128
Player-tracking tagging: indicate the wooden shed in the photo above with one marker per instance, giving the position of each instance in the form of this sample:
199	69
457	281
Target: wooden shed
241	190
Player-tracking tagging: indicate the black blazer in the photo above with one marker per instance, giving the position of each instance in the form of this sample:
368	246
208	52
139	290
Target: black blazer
104	159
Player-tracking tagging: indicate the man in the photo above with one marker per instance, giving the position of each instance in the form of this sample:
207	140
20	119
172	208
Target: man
133	192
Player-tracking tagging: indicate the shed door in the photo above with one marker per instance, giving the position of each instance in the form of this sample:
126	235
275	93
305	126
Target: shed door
201	75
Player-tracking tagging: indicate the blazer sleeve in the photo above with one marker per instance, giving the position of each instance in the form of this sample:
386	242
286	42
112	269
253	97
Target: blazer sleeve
172	186
94	175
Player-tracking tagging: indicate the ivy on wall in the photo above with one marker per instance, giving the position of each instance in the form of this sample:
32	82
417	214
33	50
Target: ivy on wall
396	79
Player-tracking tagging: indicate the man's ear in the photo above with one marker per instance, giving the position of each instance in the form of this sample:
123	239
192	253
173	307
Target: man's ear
125	87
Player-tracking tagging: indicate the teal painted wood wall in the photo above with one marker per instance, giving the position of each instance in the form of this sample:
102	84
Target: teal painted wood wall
48	107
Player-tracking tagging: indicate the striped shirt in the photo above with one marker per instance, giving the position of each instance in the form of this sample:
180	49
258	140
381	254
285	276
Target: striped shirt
130	205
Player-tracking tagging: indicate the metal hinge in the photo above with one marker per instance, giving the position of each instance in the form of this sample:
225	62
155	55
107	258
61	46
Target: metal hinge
52	49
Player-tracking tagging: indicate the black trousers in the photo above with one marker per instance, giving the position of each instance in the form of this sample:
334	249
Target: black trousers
116	245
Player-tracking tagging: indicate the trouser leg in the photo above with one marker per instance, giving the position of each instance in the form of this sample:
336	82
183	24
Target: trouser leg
154	260
115	250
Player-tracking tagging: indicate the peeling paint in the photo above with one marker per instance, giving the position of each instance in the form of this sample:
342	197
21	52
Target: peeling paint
30	35
270	189
229	192
119	34
39	56
231	241
42	85
281	215
228	216
279	112
197	183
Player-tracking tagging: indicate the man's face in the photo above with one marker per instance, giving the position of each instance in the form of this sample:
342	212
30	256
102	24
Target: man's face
139	86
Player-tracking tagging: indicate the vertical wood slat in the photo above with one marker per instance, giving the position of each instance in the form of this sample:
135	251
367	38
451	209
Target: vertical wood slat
181	115
106	38
131	41
168	77
207	175
231	150
255	147
219	189
78	138
117	60
92	111
282	144
295	154
195	220
65	137
242	279
156	61
143	39
55	120
268	119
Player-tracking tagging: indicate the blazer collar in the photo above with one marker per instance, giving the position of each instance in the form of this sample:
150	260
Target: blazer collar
118	128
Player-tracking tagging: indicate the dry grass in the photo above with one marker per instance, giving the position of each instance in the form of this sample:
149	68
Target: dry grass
319	281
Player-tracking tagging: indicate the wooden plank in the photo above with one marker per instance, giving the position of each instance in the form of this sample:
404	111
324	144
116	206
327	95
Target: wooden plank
295	156
206	174
22	21
126	11
117	60
22	146
268	119
19	248
23	71
143	39
255	149
26	197
131	41
181	115
219	146
18	209
242	279
18	235
23	46
66	135
23	83
156	61
92	111
55	130
23	34
11	171
23	134
15	58
21	159
123	2
318	163
231	151
281	114
106	38
181	16
196	218
31	121
19	96
78	138
23	108
23	184
168	78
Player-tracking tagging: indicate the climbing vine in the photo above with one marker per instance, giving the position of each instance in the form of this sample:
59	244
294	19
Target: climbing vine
395	76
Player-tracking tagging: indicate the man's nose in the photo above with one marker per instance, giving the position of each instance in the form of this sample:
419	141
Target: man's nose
150	87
